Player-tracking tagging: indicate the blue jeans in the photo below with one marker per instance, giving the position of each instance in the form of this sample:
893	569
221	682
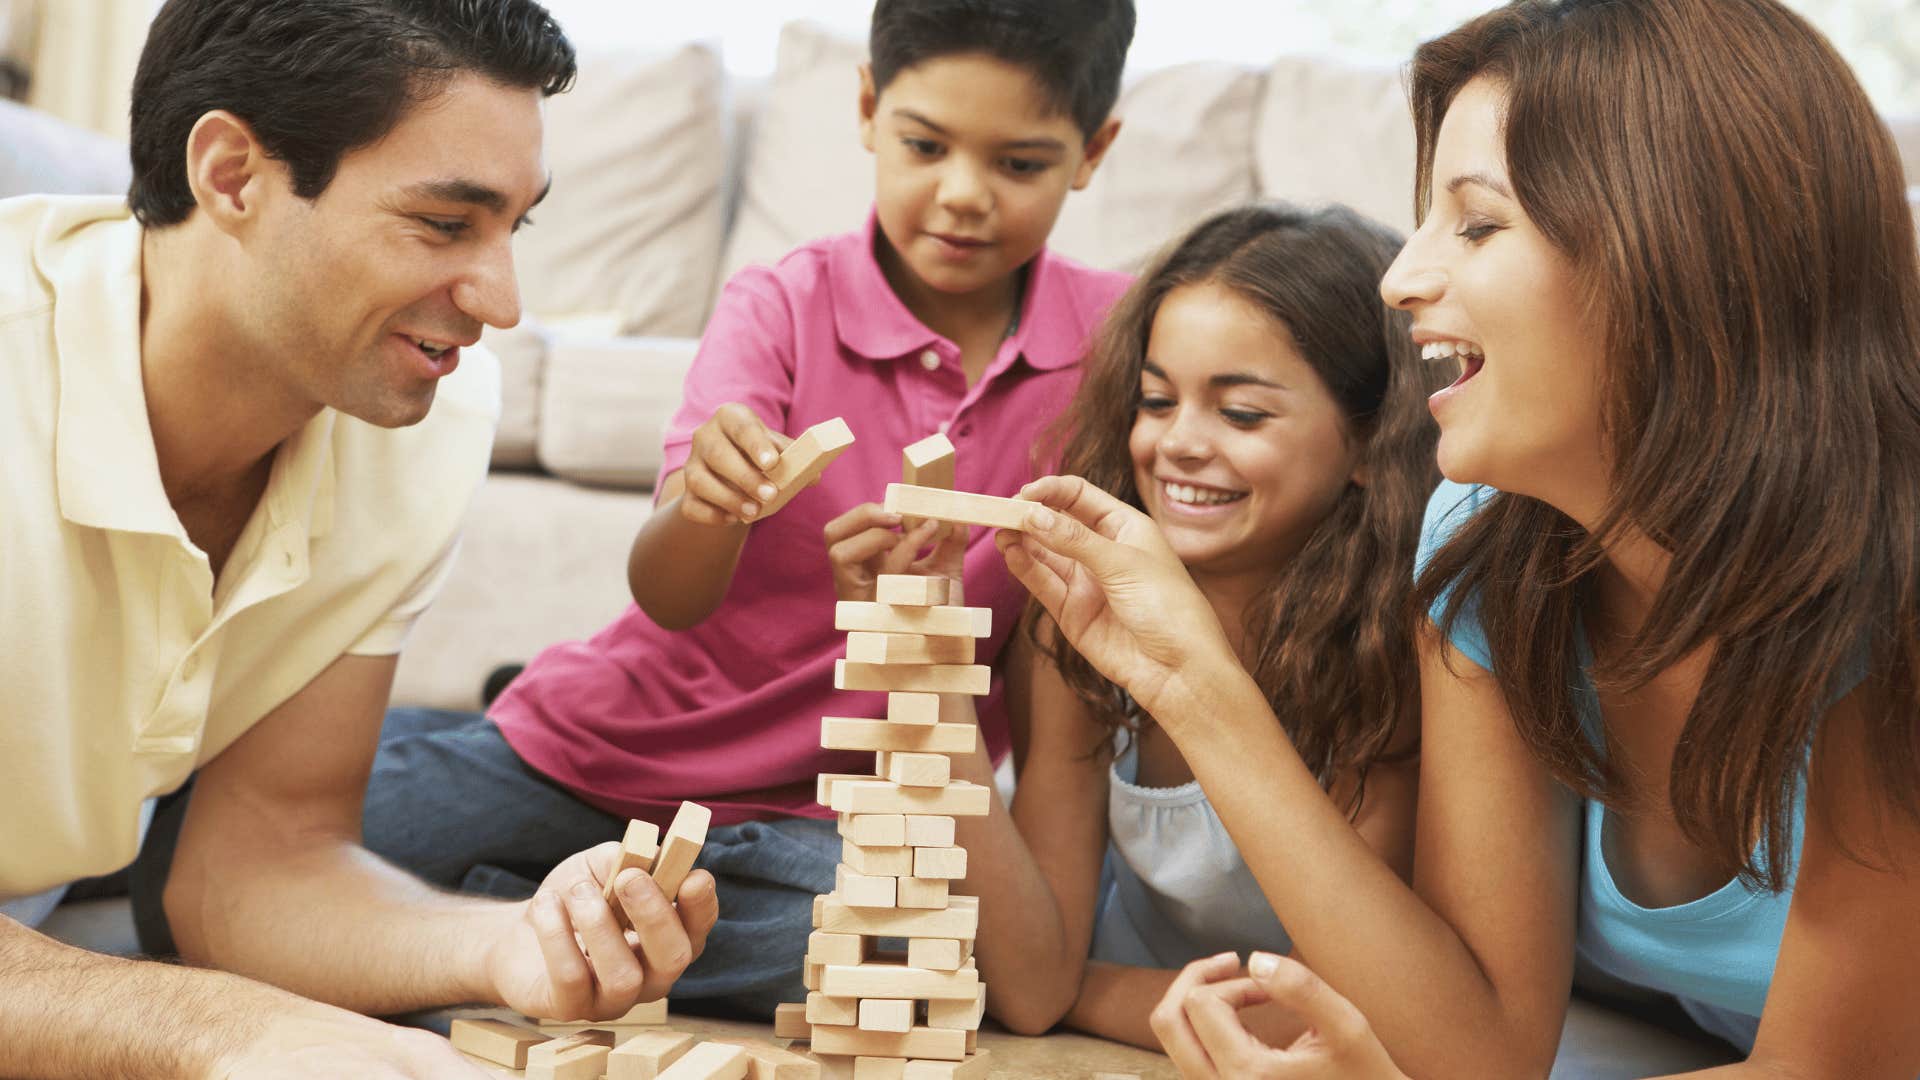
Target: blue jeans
450	801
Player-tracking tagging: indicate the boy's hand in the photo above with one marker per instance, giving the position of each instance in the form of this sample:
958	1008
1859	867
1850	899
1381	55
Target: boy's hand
866	541
726	473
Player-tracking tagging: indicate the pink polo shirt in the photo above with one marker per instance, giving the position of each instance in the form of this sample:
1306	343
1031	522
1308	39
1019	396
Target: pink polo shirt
637	718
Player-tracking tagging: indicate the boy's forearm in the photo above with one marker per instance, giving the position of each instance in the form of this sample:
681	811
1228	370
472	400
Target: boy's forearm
679	570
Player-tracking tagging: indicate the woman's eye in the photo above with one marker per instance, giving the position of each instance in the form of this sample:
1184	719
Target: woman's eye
1243	417
1155	403
1475	232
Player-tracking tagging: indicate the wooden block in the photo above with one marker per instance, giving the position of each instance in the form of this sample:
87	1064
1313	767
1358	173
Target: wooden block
790	1021
878	861
949	863
914	892
851	733
710	1061
958	1015
579	1063
928	831
637	851
871	830
770	1062
879	1068
804	459
890	981
921	1042
961	919
911	590
810	975
868	647
545	1052
958	507
886	1014
863	890
826	947
1114	1076
913	710
824	784
851	615
975	1067
934	954
919	770
682	845
960	798
826	1009
975	679
929	462
647	1054
495	1040
833	1066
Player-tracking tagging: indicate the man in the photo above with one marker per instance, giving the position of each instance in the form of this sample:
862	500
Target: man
226	490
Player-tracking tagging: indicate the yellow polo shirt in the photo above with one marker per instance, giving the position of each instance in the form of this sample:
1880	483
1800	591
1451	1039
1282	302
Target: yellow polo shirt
123	664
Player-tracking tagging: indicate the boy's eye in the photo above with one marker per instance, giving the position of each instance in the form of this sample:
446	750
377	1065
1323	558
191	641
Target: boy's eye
443	226
922	147
1026	166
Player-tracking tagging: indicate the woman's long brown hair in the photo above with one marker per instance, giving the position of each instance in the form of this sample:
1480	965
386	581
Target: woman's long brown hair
1331	635
1734	210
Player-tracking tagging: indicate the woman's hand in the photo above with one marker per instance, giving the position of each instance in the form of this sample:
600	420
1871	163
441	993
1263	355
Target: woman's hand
866	541
1118	593
1198	1023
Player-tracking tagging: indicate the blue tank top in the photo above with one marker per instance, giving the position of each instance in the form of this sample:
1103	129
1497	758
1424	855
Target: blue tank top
1714	954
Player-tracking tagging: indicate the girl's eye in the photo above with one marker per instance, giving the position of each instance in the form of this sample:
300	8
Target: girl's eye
1477	231
444	227
1155	403
1243	417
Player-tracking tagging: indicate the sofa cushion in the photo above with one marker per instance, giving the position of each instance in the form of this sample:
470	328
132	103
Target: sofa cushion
40	155
605	404
522	352
633	226
1336	132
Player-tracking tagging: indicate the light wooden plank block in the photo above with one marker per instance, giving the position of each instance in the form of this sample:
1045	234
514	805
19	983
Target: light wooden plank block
826	947
710	1061
914	892
958	1015
960	798
977	1066
886	1014
958	507
863	890
833	1066
891	981
685	836
879	1068
929	830
868	647
495	1040
911	590
929	462
638	849
851	615
913	710
824	784
961	919
919	770
579	1063
853	733
826	1009
790	1021
552	1048
921	1042
810	975
975	679
895	861
869	830
644	1056
940	862
770	1062
804	459
934	954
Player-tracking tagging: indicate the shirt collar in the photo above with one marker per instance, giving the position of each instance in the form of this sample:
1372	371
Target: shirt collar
871	320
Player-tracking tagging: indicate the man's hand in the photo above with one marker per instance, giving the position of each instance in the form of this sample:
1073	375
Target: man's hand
866	541
323	1043
1198	1022
563	956
726	472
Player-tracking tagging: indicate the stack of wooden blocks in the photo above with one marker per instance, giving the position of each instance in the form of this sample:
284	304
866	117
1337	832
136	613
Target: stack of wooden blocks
910	1015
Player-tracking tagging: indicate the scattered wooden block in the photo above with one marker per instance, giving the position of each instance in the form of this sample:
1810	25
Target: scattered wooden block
827	1009
863	890
870	830
975	1067
878	861
960	798
851	615
826	947
541	1053
929	462
495	1040
770	1062
851	733
833	1066
580	1063
940	862
913	892
934	954
890	981
790	1021
914	710
1112	1076
958	1015
911	590
975	679
958	507
919	770
868	647
804	459
685	836
647	1054
886	1014
879	1068
929	830
961	919
921	1042
637	851
710	1061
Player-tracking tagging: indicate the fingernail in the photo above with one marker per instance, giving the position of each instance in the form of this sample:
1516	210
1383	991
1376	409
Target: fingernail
767	458
748	509
1262	964
768	491
1040	518
583	890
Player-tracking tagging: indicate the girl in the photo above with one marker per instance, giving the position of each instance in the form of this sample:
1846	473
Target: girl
1252	397
1668	704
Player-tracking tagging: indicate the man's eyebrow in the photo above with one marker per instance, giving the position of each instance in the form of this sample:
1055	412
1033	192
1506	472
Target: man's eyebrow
1042	143
470	192
1485	180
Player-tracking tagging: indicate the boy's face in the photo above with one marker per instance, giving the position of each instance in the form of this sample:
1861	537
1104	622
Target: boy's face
972	166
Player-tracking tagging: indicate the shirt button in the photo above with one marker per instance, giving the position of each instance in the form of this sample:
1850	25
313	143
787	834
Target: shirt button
944	425
930	360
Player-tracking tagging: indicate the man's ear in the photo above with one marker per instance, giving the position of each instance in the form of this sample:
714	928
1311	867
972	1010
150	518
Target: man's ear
228	170
869	103
1097	146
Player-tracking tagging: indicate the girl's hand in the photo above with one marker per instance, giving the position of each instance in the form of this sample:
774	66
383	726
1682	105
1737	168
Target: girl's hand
1117	592
866	541
1198	1023
726	472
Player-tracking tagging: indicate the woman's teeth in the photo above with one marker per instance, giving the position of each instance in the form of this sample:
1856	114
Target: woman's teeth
1448	350
1197	496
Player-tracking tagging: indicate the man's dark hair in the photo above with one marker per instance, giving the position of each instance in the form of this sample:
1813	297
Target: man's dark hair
1074	49
316	79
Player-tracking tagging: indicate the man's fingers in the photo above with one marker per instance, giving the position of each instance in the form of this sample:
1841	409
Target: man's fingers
699	908
567	970
663	941
616	971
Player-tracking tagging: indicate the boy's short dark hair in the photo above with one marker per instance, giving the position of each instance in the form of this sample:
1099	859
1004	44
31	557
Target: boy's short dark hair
316	79
1075	49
